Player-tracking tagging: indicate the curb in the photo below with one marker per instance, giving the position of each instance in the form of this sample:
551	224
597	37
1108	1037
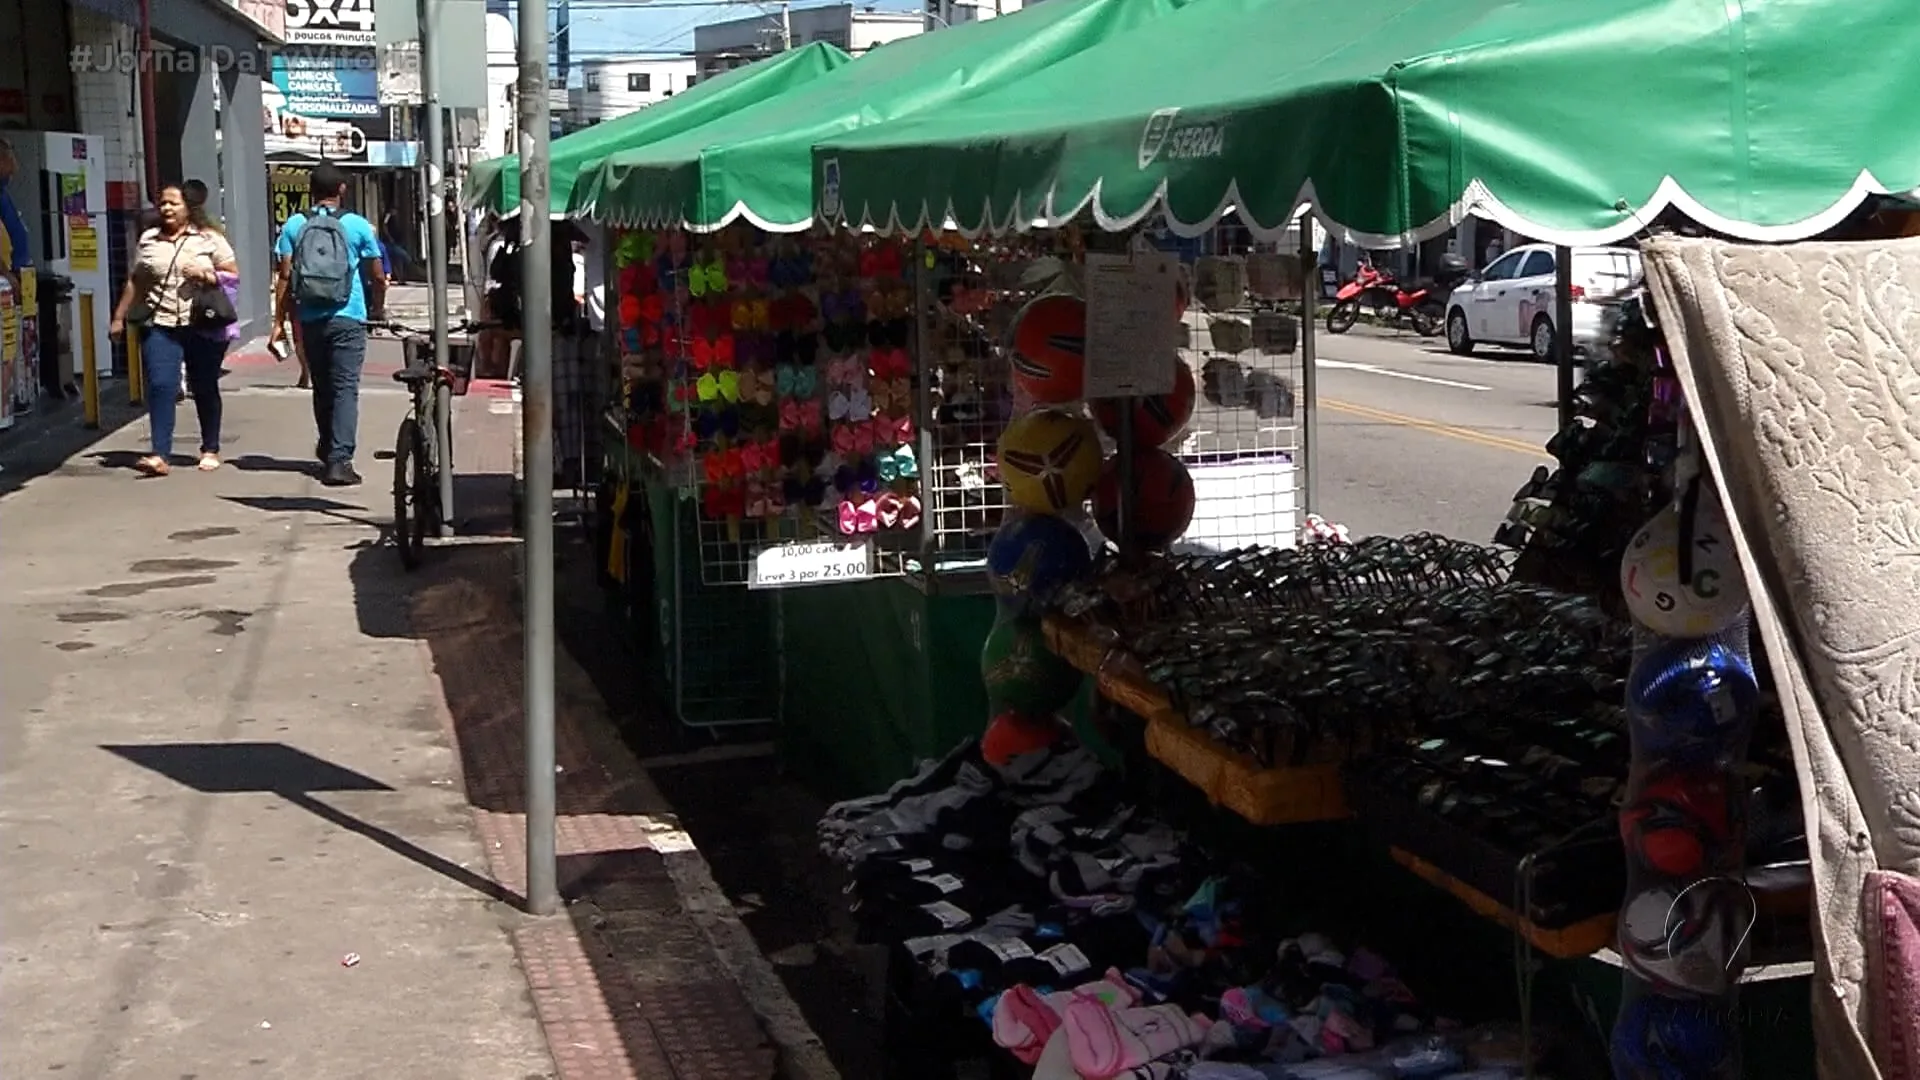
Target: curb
800	1053
802	1056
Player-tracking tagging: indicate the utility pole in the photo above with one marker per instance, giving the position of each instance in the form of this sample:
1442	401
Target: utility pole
786	26
436	157
536	350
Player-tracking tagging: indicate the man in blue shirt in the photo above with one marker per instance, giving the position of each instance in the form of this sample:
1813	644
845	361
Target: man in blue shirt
16	249
334	334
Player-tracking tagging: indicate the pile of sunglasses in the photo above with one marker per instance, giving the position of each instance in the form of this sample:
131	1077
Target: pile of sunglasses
1580	515
1257	579
1536	808
1354	670
1549	780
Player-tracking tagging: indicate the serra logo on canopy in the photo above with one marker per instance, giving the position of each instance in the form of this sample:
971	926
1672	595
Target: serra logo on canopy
1165	137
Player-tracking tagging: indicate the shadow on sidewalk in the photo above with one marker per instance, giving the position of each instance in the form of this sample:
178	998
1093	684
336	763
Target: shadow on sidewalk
675	1010
296	776
43	442
353	513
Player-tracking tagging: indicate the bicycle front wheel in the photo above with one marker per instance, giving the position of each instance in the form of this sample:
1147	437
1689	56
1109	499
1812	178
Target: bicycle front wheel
411	501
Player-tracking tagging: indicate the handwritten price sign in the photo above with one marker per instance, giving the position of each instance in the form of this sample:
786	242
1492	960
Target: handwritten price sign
823	563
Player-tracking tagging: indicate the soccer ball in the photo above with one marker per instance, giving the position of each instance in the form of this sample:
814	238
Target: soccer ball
1657	599
1050	347
1049	460
1034	556
1163	498
1013	734
1686	941
1021	673
1681	822
1661	1038
1687	699
1157	420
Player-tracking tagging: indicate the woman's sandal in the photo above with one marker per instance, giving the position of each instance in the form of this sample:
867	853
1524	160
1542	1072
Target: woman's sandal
153	465
209	461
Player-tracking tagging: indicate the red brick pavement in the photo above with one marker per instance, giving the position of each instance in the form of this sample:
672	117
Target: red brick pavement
626	985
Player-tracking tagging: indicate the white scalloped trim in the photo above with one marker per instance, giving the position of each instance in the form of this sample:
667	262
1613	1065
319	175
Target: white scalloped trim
655	220
1476	201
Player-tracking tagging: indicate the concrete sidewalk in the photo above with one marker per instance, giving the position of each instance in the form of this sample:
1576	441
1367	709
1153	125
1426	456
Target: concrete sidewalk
237	817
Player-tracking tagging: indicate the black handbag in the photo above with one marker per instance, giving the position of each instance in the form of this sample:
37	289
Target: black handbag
212	310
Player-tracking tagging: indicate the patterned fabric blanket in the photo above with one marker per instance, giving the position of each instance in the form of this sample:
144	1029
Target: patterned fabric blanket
1802	367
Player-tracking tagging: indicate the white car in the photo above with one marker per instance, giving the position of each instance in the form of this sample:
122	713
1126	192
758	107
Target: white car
1511	303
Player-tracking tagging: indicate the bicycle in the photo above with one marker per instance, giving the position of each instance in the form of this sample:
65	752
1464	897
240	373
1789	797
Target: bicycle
417	462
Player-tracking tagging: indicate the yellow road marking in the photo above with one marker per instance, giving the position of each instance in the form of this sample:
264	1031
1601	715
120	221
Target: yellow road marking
1478	438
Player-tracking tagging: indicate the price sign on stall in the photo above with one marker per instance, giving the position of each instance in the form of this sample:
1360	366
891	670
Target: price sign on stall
826	562
1133	326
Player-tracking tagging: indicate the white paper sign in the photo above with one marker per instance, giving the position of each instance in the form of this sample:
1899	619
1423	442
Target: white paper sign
826	562
1133	330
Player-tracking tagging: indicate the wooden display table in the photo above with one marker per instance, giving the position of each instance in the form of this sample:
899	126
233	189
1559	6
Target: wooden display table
1263	796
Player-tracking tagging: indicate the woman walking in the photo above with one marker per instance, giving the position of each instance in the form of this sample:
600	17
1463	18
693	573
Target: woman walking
179	299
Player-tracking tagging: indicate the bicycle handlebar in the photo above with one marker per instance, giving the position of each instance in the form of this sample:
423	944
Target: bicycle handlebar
467	327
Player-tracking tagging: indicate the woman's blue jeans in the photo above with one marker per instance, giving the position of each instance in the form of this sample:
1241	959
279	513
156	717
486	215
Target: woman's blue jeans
167	353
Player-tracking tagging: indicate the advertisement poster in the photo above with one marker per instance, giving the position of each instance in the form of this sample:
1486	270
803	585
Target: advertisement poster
83	248
73	198
323	101
331	22
287	191
9	355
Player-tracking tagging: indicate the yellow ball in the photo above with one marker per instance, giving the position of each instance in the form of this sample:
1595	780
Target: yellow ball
1049	460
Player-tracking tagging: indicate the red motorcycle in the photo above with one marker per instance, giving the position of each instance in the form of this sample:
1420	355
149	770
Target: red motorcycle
1420	307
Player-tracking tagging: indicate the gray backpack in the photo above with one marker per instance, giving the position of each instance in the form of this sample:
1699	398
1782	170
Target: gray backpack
322	262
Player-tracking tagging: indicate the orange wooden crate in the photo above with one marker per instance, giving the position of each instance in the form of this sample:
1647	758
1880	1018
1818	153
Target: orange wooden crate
1580	939
1281	796
1288	796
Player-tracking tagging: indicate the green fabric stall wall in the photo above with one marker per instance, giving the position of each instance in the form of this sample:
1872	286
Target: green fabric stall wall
879	676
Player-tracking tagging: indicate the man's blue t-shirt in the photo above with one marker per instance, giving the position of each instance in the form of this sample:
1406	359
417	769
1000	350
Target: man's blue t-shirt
362	244
19	247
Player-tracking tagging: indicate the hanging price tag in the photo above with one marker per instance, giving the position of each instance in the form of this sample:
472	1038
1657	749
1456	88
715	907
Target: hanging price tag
822	563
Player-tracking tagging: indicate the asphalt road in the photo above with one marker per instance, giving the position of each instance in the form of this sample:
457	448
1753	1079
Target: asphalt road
1413	438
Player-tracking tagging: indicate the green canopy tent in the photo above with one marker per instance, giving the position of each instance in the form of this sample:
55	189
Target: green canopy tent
756	164
1573	121
494	184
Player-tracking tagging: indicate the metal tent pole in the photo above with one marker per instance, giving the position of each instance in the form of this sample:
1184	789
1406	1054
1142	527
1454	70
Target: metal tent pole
536	323
436	163
1563	331
1309	373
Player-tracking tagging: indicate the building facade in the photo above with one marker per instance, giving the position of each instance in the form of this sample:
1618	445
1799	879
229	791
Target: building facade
944	13
74	68
616	87
723	46
503	70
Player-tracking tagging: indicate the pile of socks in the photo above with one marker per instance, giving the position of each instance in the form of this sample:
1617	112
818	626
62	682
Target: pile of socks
1315	1013
1095	943
956	803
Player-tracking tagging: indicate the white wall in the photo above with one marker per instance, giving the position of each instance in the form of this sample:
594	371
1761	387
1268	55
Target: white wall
607	87
503	68
872	29
105	104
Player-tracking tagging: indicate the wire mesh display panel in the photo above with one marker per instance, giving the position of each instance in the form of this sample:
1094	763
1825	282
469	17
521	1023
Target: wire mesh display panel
723	643
846	388
787	400
1242	446
973	293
